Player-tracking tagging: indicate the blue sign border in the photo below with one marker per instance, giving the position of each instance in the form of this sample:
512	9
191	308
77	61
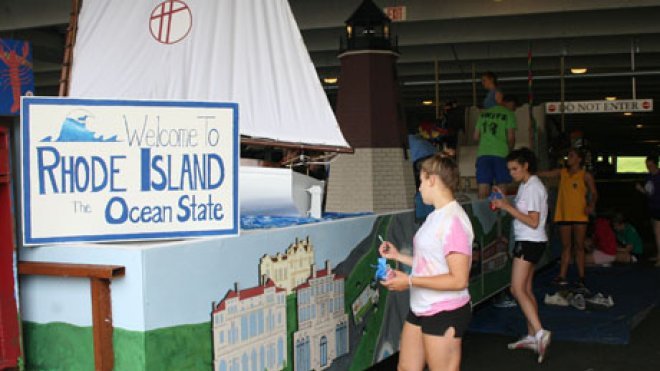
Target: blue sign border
25	159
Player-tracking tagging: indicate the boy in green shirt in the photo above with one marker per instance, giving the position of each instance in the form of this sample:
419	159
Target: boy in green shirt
630	244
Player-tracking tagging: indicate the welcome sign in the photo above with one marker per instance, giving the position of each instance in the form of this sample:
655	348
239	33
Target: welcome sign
106	170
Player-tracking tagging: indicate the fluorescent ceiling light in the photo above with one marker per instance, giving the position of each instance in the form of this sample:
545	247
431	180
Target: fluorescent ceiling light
610	98
330	80
427	102
639	126
627	113
578	71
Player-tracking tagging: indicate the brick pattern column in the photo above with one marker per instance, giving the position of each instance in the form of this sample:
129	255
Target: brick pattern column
371	179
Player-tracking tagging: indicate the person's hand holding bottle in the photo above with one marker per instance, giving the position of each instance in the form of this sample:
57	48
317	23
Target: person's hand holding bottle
388	250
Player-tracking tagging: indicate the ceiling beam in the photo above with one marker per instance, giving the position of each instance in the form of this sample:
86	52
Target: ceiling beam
513	66
601	46
324	14
513	28
21	14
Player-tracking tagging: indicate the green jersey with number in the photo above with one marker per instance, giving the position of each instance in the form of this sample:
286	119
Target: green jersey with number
493	125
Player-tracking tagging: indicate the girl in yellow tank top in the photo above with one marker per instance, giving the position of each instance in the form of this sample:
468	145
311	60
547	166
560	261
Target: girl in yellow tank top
572	211
572	197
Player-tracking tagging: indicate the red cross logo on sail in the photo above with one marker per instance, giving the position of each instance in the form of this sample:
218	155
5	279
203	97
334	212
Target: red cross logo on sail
170	21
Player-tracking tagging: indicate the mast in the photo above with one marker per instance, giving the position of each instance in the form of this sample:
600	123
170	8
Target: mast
71	33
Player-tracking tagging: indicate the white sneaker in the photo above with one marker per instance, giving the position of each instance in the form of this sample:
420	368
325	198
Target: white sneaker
542	344
504	301
599	300
525	342
578	302
607	301
555	299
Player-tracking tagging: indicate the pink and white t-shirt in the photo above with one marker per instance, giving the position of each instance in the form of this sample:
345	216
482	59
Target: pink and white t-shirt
446	230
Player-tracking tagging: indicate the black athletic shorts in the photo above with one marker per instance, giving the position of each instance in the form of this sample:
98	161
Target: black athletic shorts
571	223
438	324
530	251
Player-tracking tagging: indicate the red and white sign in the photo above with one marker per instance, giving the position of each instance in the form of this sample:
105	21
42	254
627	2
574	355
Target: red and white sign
395	13
600	106
170	21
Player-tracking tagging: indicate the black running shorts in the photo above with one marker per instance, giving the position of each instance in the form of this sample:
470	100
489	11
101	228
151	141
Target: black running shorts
530	251
438	324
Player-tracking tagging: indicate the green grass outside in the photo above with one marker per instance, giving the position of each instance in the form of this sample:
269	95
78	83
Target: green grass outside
631	164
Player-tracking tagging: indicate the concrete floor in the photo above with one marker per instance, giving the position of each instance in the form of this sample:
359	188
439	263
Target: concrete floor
489	352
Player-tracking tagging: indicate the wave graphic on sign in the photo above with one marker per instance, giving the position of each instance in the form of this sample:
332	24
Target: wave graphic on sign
74	129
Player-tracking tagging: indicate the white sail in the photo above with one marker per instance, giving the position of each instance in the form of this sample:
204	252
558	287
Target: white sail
245	51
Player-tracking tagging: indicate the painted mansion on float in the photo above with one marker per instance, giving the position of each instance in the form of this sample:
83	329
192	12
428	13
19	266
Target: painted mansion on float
250	326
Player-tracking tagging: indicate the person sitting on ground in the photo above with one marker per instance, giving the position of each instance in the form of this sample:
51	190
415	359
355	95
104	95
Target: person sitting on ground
602	246
630	244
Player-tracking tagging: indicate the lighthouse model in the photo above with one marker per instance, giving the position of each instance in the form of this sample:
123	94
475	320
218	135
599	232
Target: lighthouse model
378	177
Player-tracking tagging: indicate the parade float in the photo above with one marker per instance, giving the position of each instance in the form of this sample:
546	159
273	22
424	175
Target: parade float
120	271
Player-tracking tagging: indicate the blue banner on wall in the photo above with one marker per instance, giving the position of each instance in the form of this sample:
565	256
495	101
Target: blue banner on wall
16	77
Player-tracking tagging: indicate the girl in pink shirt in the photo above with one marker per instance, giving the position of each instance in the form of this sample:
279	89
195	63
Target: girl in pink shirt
440	309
